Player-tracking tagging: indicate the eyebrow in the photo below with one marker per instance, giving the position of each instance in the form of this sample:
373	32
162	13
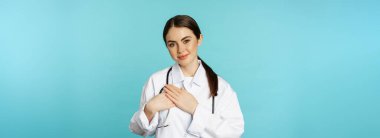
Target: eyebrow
185	38
181	39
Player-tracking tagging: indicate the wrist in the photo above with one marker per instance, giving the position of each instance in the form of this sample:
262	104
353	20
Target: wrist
148	113
194	108
149	109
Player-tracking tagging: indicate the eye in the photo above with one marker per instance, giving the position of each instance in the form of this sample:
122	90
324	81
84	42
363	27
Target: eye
186	41
171	45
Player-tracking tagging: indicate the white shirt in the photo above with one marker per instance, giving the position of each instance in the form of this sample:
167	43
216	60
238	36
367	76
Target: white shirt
227	120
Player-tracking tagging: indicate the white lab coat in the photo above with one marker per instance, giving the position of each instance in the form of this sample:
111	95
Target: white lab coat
227	120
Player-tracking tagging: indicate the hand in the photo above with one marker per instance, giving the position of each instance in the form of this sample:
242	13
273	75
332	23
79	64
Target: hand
181	98
157	103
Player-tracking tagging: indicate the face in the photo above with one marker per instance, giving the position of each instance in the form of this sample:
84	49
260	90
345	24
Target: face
183	45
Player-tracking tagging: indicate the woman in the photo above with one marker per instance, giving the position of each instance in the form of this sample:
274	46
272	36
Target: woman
187	99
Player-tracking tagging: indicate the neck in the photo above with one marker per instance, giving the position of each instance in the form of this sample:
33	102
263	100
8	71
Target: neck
190	69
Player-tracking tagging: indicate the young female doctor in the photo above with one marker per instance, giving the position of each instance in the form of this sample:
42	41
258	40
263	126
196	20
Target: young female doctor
187	99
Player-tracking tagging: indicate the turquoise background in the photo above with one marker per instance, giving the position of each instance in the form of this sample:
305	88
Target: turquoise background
301	69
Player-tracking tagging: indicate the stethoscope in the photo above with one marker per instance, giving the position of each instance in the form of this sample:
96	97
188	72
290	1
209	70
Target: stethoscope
167	115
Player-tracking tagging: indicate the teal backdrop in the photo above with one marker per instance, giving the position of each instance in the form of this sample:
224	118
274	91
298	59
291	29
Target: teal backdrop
301	68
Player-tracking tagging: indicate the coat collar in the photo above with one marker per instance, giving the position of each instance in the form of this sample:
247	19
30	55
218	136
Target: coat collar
200	77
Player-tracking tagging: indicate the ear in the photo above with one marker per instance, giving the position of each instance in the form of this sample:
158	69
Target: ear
200	40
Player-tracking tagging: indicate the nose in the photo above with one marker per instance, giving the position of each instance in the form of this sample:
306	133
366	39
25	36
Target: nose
181	49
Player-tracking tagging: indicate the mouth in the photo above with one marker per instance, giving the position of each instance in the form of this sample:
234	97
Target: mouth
182	57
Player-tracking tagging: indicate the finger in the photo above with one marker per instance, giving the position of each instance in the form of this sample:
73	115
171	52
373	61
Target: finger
172	95
182	89
168	101
173	88
175	95
159	96
166	98
170	88
171	98
171	105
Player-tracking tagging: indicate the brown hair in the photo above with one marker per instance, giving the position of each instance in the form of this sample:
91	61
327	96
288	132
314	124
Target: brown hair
188	22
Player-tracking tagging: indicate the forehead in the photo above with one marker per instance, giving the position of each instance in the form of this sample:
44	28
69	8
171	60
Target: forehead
177	33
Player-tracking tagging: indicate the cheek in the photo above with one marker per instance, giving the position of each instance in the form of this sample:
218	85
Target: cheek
193	47
172	52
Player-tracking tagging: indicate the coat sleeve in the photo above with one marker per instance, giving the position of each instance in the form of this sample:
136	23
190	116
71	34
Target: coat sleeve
226	122
139	123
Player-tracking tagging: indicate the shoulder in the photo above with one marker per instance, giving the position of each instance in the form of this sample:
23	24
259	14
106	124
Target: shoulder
227	96
222	82
224	88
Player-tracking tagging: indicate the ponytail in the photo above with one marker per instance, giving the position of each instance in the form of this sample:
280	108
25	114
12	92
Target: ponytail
212	78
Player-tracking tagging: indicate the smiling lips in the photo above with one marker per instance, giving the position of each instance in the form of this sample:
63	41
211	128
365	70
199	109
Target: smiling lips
182	57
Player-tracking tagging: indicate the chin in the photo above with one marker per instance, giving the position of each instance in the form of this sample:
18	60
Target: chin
183	62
